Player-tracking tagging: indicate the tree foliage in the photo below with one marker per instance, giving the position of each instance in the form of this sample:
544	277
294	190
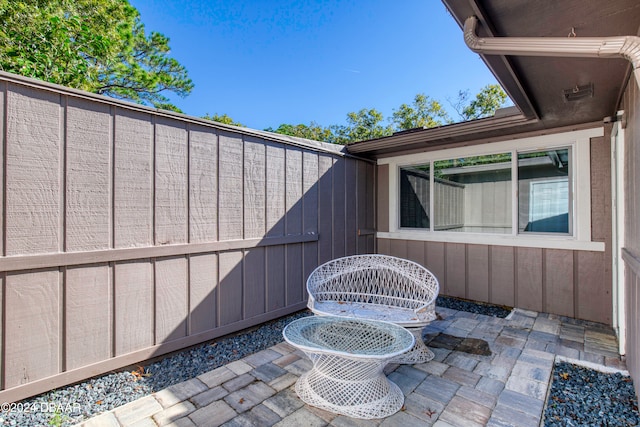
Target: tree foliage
97	46
484	104
222	119
363	125
312	131
423	112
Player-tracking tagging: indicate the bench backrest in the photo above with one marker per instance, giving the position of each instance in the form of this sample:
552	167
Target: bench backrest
374	279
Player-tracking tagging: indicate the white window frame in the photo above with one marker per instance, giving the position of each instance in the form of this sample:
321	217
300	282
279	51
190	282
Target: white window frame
580	181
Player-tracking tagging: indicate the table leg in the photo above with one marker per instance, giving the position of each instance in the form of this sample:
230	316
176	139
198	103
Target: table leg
419	353
356	388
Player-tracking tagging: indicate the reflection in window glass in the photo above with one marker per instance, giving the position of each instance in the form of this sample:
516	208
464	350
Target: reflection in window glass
544	191
473	194
414	197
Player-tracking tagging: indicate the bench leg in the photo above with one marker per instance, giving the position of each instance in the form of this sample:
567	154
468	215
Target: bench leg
419	353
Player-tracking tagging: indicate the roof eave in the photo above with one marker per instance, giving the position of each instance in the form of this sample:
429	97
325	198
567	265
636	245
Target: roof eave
435	136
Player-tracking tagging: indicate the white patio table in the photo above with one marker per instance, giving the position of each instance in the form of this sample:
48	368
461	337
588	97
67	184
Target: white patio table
349	356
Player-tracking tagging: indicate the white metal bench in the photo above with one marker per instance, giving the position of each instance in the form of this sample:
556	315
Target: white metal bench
377	287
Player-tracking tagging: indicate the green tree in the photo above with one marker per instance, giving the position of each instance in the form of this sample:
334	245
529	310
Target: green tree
423	112
97	46
485	103
312	131
361	126
222	119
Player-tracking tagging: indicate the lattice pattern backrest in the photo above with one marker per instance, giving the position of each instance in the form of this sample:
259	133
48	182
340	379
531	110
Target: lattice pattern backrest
375	279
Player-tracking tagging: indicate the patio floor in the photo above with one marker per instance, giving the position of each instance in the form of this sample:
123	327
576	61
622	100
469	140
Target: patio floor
457	388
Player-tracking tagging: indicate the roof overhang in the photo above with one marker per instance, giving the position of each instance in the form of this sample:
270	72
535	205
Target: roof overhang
541	87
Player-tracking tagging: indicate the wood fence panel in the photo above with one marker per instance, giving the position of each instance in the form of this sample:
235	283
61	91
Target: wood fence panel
254	188
134	322
88	179
33	172
276	278
146	231
275	190
230	184
203	188
133	180
325	212
370	206
3	115
293	191
294	224
339	199
230	265
32	321
172	174
309	211
203	295
171	304
255	286
88	315
351	206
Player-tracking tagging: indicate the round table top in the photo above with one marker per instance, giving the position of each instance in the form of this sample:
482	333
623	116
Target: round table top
348	337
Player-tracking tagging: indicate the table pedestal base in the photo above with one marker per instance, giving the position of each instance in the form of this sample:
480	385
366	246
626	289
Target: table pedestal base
356	388
419	353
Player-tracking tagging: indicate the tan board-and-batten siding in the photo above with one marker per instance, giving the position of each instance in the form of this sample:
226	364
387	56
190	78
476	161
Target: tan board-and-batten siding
129	232
574	283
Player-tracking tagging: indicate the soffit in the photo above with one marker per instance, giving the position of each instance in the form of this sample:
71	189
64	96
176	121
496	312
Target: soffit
536	84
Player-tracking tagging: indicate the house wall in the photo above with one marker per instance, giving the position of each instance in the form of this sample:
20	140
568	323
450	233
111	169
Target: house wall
127	232
631	248
575	283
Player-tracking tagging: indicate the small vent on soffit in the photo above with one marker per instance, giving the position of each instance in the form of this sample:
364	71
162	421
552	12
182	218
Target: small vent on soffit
577	93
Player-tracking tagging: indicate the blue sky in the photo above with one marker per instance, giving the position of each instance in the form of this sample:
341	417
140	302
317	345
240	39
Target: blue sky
268	62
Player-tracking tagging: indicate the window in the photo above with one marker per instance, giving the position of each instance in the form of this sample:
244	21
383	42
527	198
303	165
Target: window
544	202
474	194
530	192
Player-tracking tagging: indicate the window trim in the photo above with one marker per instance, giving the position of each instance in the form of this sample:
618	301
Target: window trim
580	239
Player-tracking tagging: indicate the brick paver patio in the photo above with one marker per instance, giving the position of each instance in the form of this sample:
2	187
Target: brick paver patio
458	388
